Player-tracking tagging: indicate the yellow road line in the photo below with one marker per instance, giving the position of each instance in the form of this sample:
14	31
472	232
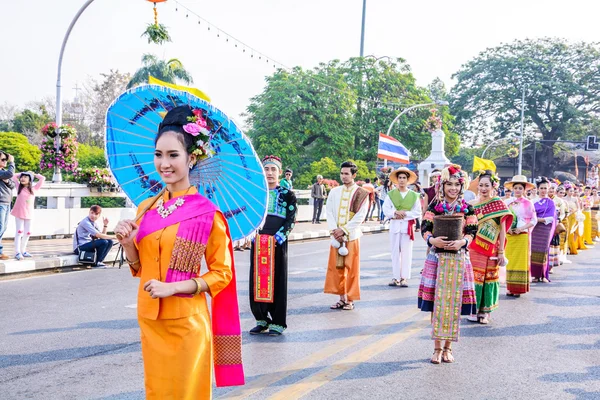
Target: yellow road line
312	382
330	350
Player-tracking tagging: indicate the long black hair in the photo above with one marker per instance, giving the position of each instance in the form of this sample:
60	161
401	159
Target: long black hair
174	121
21	187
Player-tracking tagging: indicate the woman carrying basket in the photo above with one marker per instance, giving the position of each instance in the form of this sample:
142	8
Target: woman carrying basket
449	226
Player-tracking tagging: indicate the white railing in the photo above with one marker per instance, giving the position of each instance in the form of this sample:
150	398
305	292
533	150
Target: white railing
63	211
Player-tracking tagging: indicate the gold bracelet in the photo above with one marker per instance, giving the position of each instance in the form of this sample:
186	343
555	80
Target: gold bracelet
132	263
199	286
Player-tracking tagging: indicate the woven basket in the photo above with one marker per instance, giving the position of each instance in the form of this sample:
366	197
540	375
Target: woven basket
450	226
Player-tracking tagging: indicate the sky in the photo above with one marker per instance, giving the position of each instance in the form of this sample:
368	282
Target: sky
436	37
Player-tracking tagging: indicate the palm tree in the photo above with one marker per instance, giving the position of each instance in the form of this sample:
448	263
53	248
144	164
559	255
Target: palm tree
167	71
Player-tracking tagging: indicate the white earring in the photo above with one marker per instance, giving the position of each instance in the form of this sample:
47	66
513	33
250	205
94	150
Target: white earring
191	165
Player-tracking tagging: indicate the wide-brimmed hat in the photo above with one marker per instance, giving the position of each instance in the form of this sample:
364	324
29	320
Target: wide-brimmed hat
522	179
412	177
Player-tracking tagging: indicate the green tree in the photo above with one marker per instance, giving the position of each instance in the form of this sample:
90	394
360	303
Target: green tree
560	79
30	121
168	71
90	156
27	156
337	110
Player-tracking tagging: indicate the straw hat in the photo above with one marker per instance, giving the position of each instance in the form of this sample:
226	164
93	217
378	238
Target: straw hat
412	177
519	179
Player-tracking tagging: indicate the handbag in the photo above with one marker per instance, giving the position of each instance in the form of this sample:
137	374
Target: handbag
85	257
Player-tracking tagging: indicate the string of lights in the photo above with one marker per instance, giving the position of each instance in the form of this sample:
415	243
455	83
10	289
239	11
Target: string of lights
260	56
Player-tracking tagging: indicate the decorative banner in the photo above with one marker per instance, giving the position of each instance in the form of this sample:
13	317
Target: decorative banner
392	150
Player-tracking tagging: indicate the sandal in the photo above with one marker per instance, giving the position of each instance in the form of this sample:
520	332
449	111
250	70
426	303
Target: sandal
447	355
437	356
339	305
484	320
348	307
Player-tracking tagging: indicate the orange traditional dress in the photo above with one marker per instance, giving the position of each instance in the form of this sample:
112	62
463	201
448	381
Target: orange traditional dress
176	333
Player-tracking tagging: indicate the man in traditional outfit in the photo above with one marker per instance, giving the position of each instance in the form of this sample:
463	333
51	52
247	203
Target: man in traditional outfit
346	209
268	256
403	207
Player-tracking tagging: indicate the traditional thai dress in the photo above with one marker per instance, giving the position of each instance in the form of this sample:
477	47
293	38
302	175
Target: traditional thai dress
541	236
269	261
587	202
180	341
447	286
518	247
346	209
491	215
573	228
402	230
595	217
554	256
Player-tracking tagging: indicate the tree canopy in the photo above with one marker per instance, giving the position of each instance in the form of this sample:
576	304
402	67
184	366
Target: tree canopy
166	70
27	156
561	81
337	110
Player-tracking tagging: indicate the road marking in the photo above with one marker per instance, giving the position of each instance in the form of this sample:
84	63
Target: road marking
382	255
311	253
321	355
131	306
302	271
315	381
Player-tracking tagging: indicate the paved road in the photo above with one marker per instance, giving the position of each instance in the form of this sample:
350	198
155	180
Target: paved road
75	336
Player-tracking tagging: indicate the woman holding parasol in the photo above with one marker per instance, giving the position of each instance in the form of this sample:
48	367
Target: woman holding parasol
176	229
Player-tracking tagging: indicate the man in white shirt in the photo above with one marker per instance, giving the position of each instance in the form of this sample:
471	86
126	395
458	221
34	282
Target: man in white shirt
346	209
403	207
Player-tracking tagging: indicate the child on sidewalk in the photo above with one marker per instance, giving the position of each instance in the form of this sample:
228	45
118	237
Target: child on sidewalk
23	209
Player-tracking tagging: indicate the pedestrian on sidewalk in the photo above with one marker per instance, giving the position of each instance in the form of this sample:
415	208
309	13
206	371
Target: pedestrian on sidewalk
6	187
318	192
182	342
382	192
518	247
346	209
403	207
88	237
377	203
447	288
487	250
286	182
23	209
268	256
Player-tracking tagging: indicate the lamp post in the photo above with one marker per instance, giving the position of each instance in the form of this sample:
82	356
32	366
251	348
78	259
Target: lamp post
436	103
57	177
362	30
520	169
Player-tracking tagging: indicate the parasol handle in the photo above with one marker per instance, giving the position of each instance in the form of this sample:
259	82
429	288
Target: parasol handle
140	215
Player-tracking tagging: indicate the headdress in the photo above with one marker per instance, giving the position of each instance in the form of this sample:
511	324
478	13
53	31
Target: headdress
198	127
453	171
272	160
493	178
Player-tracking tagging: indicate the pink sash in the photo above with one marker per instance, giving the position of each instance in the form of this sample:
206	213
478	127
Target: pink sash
195	218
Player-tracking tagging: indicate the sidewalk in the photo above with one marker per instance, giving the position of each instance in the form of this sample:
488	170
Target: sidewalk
58	253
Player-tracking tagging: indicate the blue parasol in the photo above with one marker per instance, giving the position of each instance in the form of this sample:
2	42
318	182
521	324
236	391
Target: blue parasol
233	178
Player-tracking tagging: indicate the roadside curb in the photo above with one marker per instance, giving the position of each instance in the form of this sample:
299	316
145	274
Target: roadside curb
71	260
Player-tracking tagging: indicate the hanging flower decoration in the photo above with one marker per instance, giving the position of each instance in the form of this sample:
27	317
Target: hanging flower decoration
155	32
513	152
95	177
198	127
433	123
66	157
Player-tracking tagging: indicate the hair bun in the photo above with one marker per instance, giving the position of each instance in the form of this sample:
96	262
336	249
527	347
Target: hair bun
177	116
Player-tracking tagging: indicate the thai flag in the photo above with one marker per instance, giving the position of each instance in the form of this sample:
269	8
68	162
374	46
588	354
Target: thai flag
392	150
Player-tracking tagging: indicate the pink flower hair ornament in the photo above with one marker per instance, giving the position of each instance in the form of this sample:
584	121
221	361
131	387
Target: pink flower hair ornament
198	127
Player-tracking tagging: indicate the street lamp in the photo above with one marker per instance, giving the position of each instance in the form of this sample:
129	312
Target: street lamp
57	177
435	103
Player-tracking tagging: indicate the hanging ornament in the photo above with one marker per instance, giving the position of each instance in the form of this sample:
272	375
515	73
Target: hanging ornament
155	32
